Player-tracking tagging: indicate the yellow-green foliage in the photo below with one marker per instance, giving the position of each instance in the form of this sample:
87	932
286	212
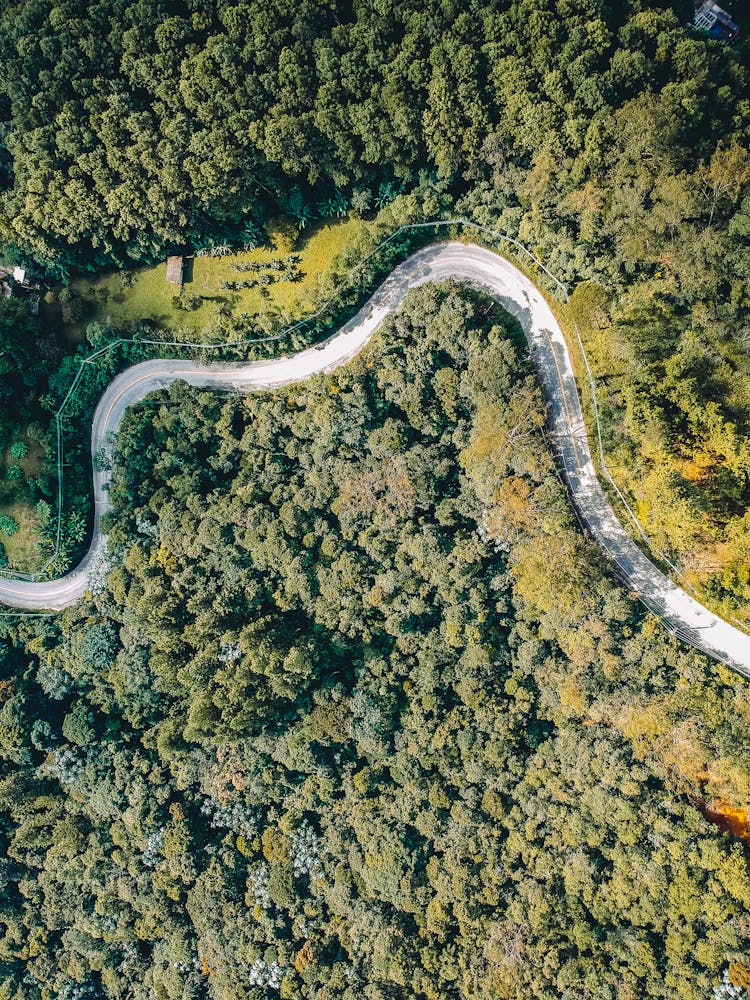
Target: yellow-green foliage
683	485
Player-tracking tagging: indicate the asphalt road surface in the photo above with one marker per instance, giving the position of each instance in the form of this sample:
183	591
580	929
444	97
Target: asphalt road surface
516	293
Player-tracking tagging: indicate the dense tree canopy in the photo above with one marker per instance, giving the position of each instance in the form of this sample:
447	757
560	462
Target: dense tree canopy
611	137
133	125
359	713
355	710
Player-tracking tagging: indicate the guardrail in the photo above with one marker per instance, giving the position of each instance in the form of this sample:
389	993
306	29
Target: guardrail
410	228
282	334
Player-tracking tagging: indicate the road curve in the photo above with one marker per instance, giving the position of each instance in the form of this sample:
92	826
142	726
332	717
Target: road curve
516	293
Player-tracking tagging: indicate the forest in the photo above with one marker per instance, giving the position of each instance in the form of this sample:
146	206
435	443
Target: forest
354	710
330	728
610	137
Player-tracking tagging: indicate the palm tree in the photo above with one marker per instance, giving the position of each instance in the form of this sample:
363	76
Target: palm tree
251	236
303	216
387	191
341	203
336	205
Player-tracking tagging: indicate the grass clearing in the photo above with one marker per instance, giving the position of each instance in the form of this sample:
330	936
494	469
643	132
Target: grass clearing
21	547
31	462
150	297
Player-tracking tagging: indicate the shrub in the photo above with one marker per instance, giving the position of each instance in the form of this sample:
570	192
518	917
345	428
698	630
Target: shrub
73	307
283	234
8	526
187	301
19	449
43	512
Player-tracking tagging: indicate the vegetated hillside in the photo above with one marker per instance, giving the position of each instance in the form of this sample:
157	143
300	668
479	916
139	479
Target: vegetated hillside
131	126
359	713
26	481
611	137
225	298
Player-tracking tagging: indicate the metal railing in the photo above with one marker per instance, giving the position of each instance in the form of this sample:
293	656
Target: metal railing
285	332
493	236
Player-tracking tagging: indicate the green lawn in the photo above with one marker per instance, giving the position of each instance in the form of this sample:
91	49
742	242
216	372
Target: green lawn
21	546
151	297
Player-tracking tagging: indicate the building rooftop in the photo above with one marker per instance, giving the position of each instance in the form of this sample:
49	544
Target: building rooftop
715	21
174	270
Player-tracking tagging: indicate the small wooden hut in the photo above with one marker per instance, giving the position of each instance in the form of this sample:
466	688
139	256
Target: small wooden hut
174	270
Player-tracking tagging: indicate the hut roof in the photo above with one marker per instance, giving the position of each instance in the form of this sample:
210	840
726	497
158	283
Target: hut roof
174	270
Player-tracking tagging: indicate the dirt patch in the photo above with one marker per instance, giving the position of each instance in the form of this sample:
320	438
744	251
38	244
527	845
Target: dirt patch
731	819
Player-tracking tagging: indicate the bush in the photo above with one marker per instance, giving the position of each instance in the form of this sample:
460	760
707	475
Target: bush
187	301
19	449
361	201
283	234
14	472
43	512
73	307
8	526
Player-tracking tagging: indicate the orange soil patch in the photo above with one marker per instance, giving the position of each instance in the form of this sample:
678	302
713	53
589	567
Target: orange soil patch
727	817
693	471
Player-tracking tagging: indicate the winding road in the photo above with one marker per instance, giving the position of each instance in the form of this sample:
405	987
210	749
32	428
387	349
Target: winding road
516	293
